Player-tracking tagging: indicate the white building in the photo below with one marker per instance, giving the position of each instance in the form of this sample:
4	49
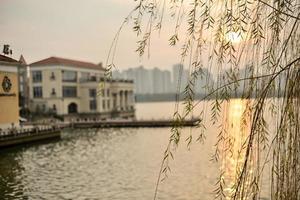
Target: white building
77	90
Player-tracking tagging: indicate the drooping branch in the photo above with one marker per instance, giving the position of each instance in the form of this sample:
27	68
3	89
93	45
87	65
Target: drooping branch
280	11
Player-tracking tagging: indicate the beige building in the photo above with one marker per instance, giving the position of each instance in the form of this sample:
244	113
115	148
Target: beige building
76	90
9	90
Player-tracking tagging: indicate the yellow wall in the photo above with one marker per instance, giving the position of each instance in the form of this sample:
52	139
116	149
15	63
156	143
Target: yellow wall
9	105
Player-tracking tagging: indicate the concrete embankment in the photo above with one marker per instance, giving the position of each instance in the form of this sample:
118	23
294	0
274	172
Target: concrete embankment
23	136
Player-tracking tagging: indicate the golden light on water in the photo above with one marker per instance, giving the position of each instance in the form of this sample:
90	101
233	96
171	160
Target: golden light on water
237	125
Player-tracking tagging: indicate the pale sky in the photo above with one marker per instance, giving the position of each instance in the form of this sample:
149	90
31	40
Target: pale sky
77	29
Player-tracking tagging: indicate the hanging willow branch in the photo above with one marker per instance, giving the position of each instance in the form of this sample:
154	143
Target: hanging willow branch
248	44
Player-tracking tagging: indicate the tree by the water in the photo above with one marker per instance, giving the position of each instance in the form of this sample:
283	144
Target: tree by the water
248	44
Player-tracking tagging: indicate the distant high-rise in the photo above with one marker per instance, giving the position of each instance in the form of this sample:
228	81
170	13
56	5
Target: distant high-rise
143	81
167	81
183	74
157	81
204	81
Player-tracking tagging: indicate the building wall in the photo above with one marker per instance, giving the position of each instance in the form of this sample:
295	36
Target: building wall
120	89
106	96
47	84
57	84
85	98
9	105
23	86
104	102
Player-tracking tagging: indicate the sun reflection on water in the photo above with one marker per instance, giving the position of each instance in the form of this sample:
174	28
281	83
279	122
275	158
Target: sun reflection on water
237	128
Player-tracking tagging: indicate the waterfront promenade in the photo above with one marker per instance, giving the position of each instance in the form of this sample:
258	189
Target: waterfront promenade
11	137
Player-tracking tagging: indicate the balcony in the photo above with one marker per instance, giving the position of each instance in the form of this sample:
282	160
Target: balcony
102	79
90	79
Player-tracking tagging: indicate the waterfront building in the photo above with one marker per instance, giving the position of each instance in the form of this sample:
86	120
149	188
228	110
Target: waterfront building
77	90
9	90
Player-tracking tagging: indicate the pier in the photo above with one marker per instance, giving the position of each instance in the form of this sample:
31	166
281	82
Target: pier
132	124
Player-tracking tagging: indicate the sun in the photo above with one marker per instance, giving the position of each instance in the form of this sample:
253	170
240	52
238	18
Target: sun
234	37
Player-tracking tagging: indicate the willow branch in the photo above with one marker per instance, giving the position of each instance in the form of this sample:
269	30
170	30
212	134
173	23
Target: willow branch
247	78
287	14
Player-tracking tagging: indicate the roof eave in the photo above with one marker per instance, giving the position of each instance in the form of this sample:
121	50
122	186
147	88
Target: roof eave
46	65
17	64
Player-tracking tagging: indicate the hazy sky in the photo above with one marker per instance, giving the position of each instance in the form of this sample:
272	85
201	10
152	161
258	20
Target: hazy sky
76	29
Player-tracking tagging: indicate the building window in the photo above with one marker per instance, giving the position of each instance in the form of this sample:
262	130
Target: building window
37	76
44	108
114	100
69	76
52	77
93	78
37	92
21	88
93	93
108	93
93	104
108	104
69	91
54	108
53	92
85	76
103	104
37	109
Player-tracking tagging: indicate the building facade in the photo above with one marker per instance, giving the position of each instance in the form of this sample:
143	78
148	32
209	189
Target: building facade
9	92
23	84
77	90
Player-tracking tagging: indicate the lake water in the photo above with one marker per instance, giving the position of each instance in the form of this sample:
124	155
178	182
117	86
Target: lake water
111	164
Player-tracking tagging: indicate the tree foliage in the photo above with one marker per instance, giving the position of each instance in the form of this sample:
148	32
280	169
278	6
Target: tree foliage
257	43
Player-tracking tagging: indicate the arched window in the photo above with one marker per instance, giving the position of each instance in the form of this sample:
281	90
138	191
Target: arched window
54	108
52	77
72	108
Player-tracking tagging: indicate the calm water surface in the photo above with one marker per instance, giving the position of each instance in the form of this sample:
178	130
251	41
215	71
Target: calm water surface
110	164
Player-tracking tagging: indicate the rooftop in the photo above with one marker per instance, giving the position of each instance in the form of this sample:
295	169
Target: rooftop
67	62
22	60
8	59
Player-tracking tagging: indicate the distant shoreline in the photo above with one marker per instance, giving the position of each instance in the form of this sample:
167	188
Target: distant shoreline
171	97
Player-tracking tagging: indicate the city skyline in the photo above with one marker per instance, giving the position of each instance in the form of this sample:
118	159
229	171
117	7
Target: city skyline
163	81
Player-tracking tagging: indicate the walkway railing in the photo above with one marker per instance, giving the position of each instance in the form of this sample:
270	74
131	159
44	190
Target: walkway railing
27	132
